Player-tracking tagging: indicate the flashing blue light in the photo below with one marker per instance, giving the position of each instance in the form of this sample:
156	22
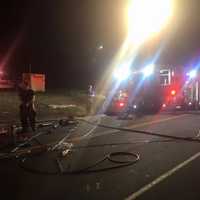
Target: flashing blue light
148	70
192	73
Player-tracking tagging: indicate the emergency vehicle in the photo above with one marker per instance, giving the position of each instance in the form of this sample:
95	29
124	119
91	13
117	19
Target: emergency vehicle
142	92
151	91
181	89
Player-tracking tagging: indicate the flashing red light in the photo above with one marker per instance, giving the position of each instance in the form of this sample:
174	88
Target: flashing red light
173	92
164	105
121	104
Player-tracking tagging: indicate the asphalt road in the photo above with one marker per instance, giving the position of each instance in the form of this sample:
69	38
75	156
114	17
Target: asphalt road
167	169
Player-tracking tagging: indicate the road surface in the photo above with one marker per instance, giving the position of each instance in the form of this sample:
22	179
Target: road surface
167	169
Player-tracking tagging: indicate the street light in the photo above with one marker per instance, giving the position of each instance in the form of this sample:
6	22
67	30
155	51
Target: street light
147	17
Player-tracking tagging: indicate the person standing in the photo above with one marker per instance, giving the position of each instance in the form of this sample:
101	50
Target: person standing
90	101
27	107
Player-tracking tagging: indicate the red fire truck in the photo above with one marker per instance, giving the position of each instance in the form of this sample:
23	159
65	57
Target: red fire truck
162	89
142	92
181	89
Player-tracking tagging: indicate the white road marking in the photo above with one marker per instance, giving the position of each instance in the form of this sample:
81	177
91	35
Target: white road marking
65	139
162	177
87	133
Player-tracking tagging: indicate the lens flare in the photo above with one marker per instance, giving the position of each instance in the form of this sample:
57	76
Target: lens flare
145	19
148	70
148	17
192	73
122	73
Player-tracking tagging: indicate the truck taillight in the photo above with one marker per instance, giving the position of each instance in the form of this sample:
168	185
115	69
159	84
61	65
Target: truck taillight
164	105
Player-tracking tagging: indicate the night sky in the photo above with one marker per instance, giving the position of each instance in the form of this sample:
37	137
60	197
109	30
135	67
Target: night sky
61	38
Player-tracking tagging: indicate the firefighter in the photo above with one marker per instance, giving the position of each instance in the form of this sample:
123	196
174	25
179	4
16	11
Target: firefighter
91	95
27	107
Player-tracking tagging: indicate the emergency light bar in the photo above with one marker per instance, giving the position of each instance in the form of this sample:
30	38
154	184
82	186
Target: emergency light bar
192	73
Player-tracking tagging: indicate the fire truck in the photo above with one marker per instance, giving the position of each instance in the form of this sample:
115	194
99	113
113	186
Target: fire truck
140	93
153	90
181	89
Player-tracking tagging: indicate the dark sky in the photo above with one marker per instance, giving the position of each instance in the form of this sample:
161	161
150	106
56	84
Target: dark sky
60	38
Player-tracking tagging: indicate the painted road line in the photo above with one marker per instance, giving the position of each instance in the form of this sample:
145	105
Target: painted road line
91	131
139	125
156	121
162	177
88	133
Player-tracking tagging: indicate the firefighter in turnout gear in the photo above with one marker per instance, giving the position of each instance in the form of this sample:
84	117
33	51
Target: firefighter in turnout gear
27	107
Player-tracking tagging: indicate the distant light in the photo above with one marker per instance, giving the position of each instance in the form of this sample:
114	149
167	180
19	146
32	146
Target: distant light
100	47
190	103
192	73
173	92
135	106
148	70
122	73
